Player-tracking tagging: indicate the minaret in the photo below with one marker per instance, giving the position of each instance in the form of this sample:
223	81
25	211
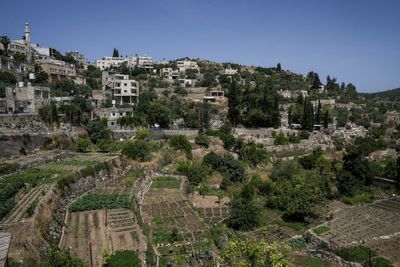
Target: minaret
27	33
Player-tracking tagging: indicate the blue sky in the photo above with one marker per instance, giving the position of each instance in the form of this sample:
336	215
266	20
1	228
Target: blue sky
356	41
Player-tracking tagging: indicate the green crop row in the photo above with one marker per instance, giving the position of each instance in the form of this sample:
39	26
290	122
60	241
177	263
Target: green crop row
94	201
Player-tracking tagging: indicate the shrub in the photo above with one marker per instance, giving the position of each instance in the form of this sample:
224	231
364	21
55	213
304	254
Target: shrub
180	142
196	171
82	144
230	168
97	129
138	150
142	133
202	140
228	139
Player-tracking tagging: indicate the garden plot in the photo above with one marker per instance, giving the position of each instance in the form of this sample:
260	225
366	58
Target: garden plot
176	230
91	233
211	209
375	225
26	203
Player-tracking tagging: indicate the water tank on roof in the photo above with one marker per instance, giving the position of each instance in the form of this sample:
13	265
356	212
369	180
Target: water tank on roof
31	76
20	84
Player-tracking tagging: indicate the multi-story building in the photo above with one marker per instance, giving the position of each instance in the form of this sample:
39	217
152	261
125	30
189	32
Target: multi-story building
57	69
112	114
187	64
124	91
169	73
145	62
108	62
26	98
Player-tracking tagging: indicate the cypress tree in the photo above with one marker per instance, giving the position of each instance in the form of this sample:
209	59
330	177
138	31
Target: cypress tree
318	113
326	119
115	52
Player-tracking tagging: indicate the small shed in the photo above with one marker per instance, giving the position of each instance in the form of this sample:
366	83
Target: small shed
5	240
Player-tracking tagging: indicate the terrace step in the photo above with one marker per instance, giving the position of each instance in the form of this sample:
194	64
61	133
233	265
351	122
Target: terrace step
24	203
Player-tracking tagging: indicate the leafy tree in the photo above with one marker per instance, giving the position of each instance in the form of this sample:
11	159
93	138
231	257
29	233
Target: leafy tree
97	129
254	154
142	133
41	77
244	215
82	144
19	57
195	170
180	142
158	114
138	150
48	113
62	258
231	169
7	78
243	253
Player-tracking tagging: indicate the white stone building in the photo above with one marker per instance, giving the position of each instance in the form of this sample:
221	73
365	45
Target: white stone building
124	91
169	73
187	64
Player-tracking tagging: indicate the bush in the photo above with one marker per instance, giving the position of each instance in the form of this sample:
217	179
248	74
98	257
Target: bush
97	129
138	150
82	144
202	140
142	133
231	169
196	171
180	142
228	139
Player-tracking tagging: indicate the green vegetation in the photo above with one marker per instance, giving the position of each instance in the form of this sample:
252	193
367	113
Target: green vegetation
195	170
359	254
94	201
363	198
298	226
180	142
31	208
202	140
231	169
138	150
239	253
166	182
307	261
123	258
11	184
321	229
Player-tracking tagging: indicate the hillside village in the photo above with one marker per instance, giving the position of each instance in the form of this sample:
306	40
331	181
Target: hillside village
132	161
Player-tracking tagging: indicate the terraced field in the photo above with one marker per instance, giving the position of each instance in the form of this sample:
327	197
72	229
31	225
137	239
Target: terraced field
24	202
179	235
90	233
375	225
